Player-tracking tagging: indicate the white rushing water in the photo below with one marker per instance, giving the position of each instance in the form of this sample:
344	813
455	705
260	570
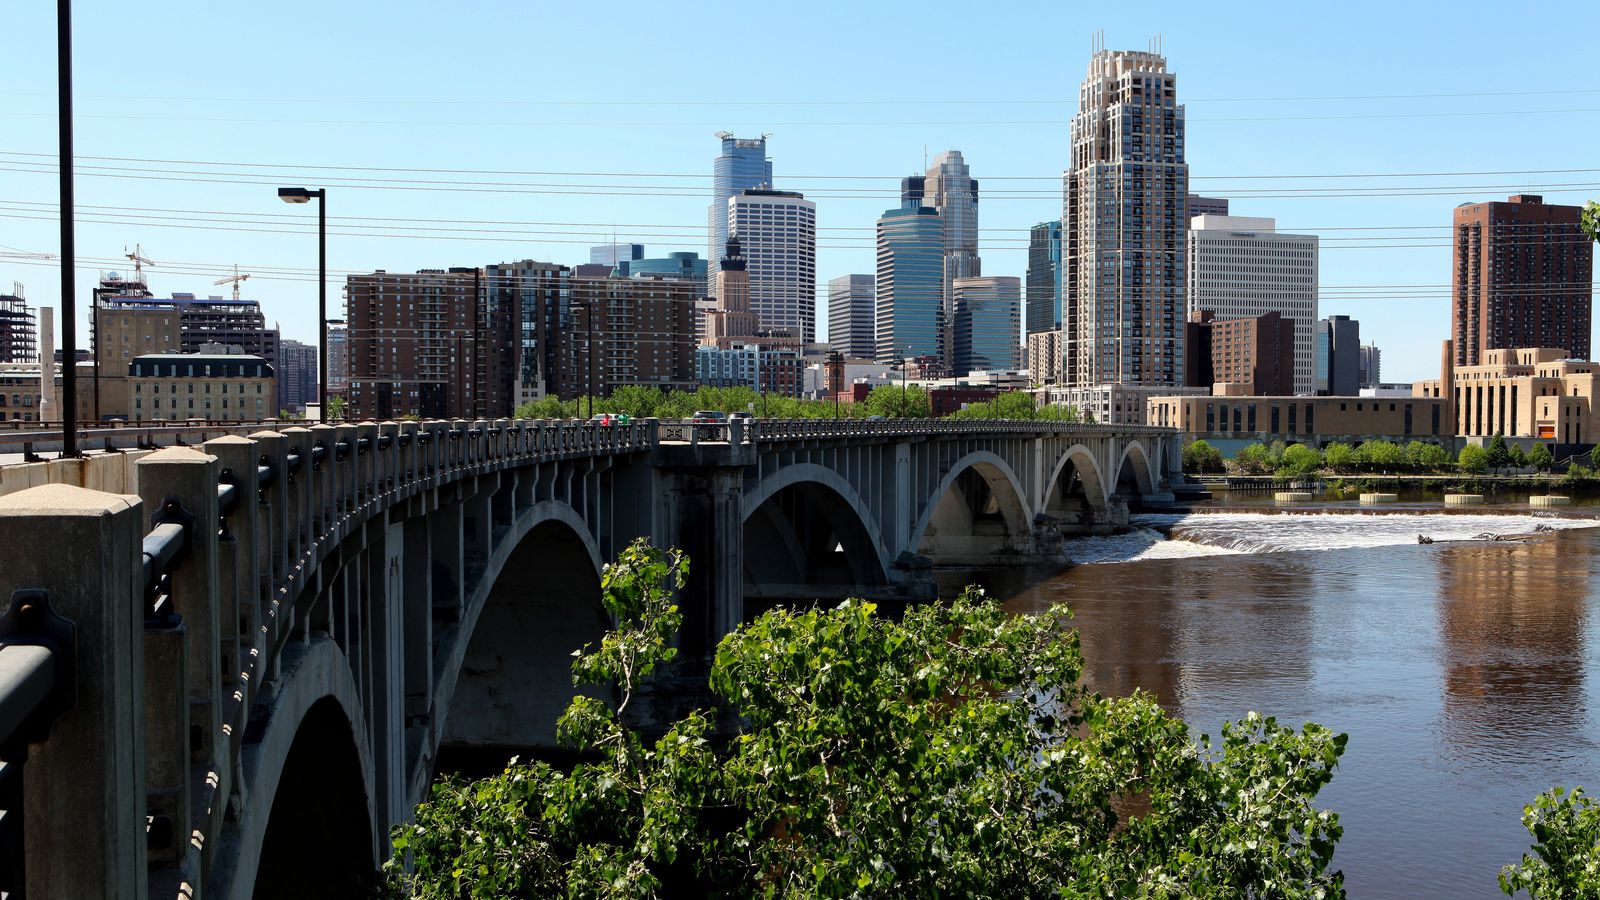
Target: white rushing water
1212	534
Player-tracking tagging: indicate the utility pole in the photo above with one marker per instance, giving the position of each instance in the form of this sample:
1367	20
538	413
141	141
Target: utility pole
69	250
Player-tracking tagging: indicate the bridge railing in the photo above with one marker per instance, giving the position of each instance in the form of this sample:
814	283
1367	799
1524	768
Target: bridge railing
186	591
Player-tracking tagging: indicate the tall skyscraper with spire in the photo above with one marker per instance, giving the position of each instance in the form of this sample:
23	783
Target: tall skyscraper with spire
1124	224
949	188
742	164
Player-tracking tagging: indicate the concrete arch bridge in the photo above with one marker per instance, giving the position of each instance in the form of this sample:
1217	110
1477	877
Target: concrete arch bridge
229	666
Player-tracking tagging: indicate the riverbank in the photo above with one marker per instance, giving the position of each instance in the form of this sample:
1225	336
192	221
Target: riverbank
1455	482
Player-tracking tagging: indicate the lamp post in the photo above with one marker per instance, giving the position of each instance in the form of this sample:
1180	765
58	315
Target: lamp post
302	195
69	320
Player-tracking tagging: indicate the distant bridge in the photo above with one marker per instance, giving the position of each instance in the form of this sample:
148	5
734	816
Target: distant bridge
229	667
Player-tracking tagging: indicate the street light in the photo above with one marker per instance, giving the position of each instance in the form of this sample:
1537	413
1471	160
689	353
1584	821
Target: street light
302	195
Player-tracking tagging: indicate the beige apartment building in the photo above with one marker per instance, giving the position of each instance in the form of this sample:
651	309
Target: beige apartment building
178	386
1233	422
1529	392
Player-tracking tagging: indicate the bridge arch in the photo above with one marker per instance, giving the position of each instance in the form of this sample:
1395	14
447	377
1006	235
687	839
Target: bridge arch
311	781
508	682
1135	469
1082	477
808	534
976	511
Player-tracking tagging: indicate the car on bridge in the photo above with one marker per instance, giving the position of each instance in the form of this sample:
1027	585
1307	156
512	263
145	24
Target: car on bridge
709	417
609	419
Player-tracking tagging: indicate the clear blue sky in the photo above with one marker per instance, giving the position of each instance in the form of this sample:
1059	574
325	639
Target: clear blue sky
846	89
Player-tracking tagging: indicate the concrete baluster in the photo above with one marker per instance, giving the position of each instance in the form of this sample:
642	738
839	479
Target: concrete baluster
84	801
347	472
386	468
297	494
368	463
321	480
188	478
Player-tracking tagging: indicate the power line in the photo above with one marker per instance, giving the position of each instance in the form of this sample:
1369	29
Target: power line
1053	177
765	102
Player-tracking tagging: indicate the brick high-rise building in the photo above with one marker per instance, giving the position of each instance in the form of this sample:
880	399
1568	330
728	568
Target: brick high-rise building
625	331
1256	352
1521	278
414	343
1124	226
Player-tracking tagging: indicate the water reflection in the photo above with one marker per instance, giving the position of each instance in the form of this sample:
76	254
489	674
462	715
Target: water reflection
1511	623
1465	673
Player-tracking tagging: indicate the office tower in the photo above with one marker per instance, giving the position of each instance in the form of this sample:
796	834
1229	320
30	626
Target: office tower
1044	277
19	339
1241	268
616	256
681	266
1521	278
1256	353
413	343
1369	366
625	331
742	164
988	323
778	231
910	283
851	330
297	375
524	303
1207	206
732	319
948	186
1124	223
1338	356
338	361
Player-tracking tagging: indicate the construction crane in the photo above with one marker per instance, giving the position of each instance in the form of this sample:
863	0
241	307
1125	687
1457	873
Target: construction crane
139	262
235	278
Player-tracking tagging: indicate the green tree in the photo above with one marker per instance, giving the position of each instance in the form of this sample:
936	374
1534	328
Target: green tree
1473	459
336	408
1498	455
1515	458
1589	220
954	752
1253	460
1298	459
1594	456
1201	458
1565	858
1340	457
1539	457
1427	457
1382	456
886	400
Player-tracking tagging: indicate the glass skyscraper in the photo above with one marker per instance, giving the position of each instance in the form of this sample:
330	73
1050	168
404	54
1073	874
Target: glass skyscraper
1044	277
948	186
910	292
743	164
988	323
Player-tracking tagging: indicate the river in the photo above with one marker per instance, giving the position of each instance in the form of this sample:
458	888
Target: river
1467	673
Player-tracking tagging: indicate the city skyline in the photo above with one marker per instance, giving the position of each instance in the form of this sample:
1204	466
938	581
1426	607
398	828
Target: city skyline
829	129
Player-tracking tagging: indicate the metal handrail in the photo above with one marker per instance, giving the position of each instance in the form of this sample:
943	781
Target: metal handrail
27	675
